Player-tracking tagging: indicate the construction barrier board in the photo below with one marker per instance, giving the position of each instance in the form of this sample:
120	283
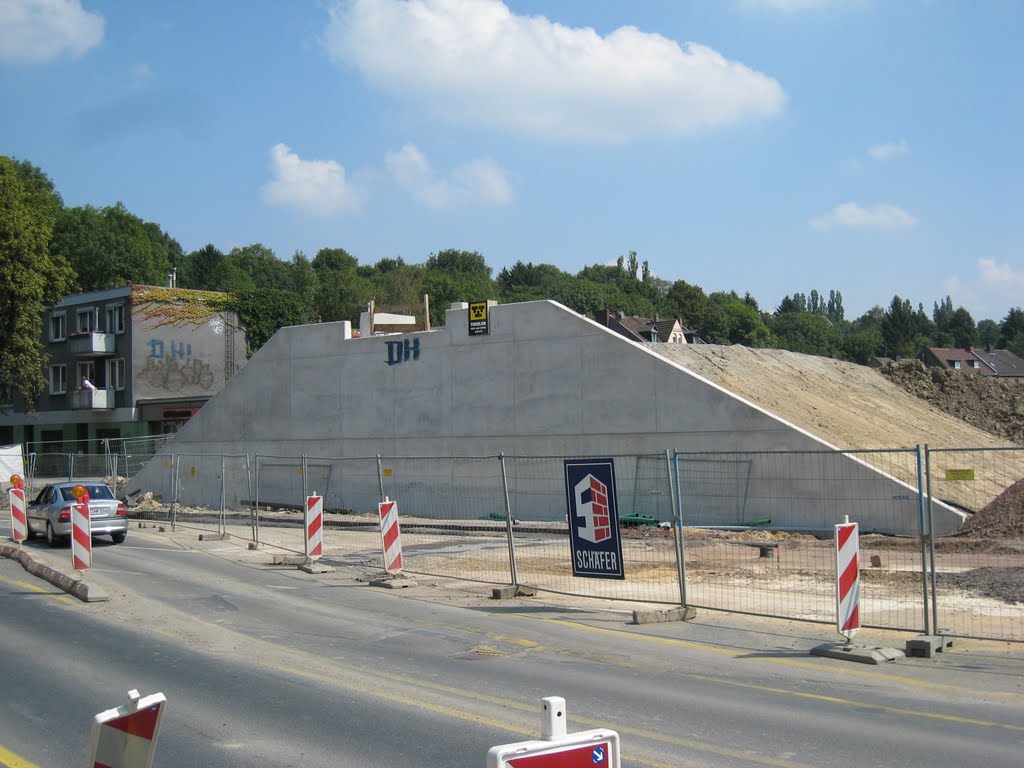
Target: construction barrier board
125	737
314	525
81	537
585	749
19	522
847	536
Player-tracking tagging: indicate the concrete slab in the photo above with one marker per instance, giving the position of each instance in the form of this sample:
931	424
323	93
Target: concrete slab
288	559
214	536
684	613
862	654
316	567
399	581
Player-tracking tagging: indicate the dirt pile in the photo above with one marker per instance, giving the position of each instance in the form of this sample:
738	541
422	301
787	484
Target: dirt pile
850	406
1003	517
994	405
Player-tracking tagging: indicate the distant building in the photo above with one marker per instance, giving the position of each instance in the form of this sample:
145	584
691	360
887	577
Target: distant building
132	361
998	363
644	329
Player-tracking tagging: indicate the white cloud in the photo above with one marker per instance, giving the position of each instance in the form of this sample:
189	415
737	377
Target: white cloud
475	61
479	181
317	187
889	150
1002	278
41	30
991	292
853	216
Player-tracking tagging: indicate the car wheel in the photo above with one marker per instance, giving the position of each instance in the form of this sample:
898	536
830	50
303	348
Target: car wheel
118	538
52	538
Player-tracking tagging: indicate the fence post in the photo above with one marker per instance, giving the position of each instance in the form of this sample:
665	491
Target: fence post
924	542
256	502
248	492
931	537
677	523
71	466
305	492
175	467
380	478
222	523
508	524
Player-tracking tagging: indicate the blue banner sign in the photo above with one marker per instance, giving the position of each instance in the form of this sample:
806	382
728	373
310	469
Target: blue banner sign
593	518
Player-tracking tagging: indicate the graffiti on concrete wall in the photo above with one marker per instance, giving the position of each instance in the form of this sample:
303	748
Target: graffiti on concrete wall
170	366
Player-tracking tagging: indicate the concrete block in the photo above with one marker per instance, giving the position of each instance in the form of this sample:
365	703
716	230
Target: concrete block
89	593
511	591
862	654
398	581
876	561
214	536
254	545
684	613
926	646
288	559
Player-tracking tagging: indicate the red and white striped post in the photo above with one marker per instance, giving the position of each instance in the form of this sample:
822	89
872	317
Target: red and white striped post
81	530
391	535
314	521
847	578
19	522
125	737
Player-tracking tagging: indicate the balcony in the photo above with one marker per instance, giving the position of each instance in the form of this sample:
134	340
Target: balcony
91	399
91	344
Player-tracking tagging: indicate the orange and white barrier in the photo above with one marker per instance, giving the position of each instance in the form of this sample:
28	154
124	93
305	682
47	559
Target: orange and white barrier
81	531
391	535
556	748
847	578
125	737
19	522
314	525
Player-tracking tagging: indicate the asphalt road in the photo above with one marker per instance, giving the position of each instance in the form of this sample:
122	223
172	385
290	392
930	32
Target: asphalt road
266	665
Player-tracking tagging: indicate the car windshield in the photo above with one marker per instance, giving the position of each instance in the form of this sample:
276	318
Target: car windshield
95	492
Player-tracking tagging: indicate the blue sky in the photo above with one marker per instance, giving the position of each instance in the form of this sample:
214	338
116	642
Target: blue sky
771	146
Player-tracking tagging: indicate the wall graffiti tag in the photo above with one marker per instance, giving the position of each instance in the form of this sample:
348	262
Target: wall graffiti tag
402	351
175	375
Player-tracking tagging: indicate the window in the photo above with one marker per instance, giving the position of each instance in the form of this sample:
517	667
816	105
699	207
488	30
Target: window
86	371
58	327
956	364
115	319
86	320
58	379
115	373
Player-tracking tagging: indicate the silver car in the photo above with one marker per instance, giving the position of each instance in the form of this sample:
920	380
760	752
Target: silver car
50	513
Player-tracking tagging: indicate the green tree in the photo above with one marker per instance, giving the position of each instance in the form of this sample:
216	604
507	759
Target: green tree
1011	327
861	346
248	268
688	303
108	247
834	310
963	329
265	310
453	275
806	332
31	276
900	329
988	334
199	267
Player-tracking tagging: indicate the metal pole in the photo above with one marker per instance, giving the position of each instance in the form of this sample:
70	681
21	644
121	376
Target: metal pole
924	542
248	489
222	523
931	538
305	493
677	523
256	503
175	472
380	477
508	524
71	466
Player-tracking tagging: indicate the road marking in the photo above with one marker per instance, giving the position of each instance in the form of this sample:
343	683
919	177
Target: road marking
59	594
787	662
277	586
11	760
110	570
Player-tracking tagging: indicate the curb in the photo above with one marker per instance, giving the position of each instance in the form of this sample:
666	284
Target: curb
87	593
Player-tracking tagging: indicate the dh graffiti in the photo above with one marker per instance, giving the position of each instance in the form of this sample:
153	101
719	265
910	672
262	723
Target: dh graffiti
402	351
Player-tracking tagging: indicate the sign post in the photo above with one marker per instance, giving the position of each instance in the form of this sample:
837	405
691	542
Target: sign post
597	748
125	737
81	530
19	521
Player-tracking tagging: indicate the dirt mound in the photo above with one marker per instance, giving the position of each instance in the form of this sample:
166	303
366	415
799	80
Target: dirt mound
994	405
850	406
1003	517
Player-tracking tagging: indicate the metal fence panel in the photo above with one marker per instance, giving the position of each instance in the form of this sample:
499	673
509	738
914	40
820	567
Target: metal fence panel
978	582
738	559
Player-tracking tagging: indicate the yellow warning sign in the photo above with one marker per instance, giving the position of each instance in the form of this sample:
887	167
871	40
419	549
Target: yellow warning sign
959	474
478	323
388	473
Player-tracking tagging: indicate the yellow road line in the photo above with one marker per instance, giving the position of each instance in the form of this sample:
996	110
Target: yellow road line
960	690
59	594
11	760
